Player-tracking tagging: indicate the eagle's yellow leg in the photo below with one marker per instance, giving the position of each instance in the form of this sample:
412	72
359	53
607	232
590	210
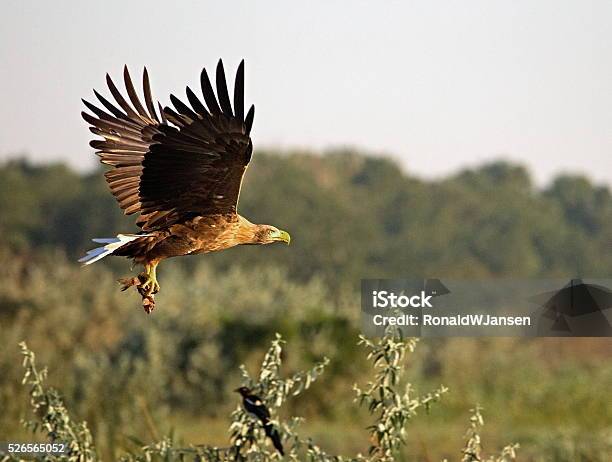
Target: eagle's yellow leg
148	279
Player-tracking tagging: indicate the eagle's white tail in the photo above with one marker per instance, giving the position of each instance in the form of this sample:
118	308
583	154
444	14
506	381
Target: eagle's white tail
112	244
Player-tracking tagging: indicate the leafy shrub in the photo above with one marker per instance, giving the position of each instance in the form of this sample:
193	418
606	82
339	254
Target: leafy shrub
390	400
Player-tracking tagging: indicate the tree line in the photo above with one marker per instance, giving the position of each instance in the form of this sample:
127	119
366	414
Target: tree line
350	216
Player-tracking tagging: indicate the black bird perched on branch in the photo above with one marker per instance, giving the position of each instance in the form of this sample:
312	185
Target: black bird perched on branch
254	405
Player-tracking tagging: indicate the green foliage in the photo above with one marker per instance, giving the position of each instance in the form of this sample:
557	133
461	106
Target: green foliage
392	409
247	435
352	216
382	396
472	452
53	418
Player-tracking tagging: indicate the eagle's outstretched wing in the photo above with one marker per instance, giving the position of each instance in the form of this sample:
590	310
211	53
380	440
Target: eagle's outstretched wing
188	161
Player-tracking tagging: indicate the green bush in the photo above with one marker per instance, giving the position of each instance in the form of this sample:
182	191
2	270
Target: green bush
390	400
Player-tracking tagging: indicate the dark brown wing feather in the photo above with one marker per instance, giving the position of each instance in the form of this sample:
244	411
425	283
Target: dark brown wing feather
168	173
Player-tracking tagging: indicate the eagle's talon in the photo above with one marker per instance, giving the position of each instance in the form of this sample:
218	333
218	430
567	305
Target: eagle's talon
148	284
153	288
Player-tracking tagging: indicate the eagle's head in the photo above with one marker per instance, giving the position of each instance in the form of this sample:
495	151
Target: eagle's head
267	234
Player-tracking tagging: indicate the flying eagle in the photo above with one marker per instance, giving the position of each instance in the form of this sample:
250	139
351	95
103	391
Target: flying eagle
180	172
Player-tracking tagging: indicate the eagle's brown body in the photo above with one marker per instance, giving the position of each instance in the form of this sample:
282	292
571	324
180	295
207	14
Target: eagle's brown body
180	172
201	234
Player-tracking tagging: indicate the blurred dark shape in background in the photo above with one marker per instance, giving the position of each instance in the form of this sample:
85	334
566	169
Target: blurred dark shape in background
576	309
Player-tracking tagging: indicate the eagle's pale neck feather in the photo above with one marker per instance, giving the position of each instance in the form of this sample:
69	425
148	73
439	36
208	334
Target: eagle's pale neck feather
247	231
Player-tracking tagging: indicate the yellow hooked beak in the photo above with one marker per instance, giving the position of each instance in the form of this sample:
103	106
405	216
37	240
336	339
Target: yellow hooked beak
282	236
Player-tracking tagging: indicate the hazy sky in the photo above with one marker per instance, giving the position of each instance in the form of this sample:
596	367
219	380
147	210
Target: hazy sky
439	85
